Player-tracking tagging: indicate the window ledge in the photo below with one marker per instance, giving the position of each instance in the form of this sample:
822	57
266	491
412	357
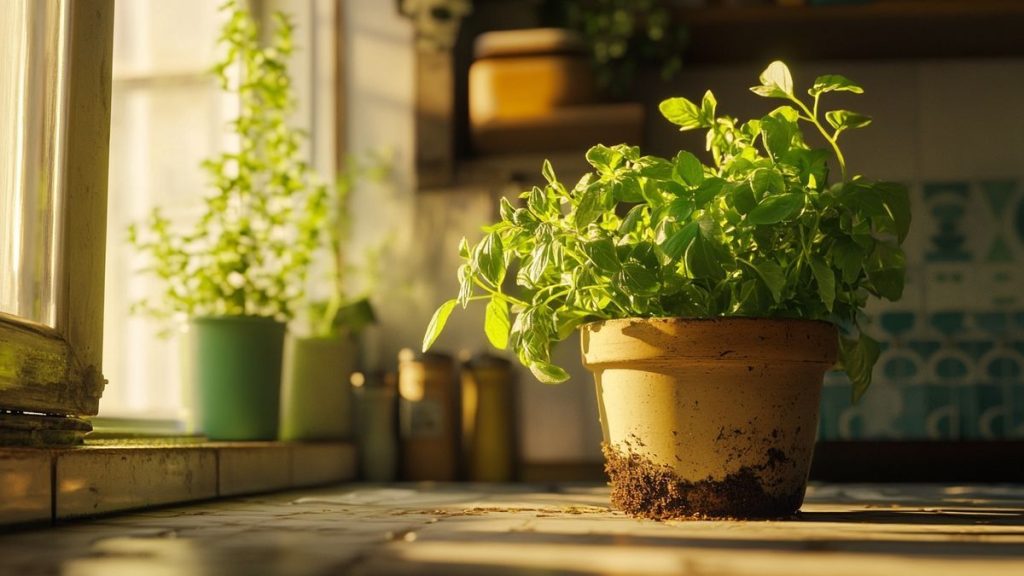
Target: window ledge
41	485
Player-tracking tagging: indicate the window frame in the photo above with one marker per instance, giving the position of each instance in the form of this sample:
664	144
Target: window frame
47	372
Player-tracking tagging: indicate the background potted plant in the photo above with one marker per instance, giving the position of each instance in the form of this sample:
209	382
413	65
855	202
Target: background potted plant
237	274
316	402
712	297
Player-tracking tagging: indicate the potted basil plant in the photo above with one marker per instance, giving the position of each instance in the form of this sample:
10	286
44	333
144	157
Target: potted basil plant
237	274
711	296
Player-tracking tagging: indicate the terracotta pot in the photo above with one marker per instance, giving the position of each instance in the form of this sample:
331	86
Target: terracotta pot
709	417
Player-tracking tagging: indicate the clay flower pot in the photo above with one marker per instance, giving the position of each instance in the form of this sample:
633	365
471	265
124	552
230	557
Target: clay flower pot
708	418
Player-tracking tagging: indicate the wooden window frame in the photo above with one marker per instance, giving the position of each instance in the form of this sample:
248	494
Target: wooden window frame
51	378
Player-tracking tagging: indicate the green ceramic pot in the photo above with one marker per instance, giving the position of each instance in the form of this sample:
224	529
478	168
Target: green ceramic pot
316	398
237	371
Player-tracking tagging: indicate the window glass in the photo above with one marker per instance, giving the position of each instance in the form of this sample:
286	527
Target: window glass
167	115
32	99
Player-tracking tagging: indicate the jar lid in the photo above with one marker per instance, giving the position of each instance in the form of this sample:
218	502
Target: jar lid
528	42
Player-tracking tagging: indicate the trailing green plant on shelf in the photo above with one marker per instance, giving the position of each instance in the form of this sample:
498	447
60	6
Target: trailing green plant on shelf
624	36
250	251
761	231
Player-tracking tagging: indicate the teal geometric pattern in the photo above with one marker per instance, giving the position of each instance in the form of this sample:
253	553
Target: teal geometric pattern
952	361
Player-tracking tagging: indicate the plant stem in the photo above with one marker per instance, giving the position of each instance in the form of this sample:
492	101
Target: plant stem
812	117
500	294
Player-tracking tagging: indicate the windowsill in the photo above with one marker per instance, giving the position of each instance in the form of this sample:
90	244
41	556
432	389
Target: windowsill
43	485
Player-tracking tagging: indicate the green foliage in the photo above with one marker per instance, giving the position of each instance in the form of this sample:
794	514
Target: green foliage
624	35
341	312
249	252
759	232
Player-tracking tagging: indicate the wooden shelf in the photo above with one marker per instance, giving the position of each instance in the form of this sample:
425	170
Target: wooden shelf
879	30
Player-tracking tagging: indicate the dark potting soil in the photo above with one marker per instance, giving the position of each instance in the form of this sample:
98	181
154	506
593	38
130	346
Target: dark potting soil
648	490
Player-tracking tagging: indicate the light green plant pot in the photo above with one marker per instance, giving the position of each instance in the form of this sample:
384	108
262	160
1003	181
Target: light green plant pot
316	398
237	370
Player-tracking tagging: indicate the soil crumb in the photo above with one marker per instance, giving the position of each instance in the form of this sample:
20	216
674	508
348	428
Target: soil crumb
642	488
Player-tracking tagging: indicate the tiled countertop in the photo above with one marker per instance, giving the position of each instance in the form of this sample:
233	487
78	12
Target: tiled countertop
515	529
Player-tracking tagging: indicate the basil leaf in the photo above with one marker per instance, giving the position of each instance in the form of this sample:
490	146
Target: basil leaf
604	158
886	269
437	322
858	358
846	120
676	244
632	220
703	258
688	168
776	81
496	322
682	113
833	83
602	255
771	274
826	280
548	373
774	209
636	280
489	259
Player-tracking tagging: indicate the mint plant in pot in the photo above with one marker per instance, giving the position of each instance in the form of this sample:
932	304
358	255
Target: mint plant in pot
237	274
711	296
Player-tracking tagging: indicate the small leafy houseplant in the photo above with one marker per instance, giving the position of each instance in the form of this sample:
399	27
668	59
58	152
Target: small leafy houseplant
317	398
764	230
240	271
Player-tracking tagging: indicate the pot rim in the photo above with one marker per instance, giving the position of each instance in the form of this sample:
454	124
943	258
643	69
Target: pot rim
704	319
668	341
247	319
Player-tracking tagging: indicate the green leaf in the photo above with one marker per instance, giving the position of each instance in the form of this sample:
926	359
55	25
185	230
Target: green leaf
776	81
589	208
548	373
654	167
489	259
679	209
506	210
766	181
896	201
540	256
809	164
707	191
633	219
548	172
743	197
637	280
676	244
627	189
777	134
707	108
848	257
464	248
774	209
688	168
771	274
886	269
858	358
826	280
602	255
704	258
465	284
833	83
496	322
682	113
846	120
603	158
437	323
